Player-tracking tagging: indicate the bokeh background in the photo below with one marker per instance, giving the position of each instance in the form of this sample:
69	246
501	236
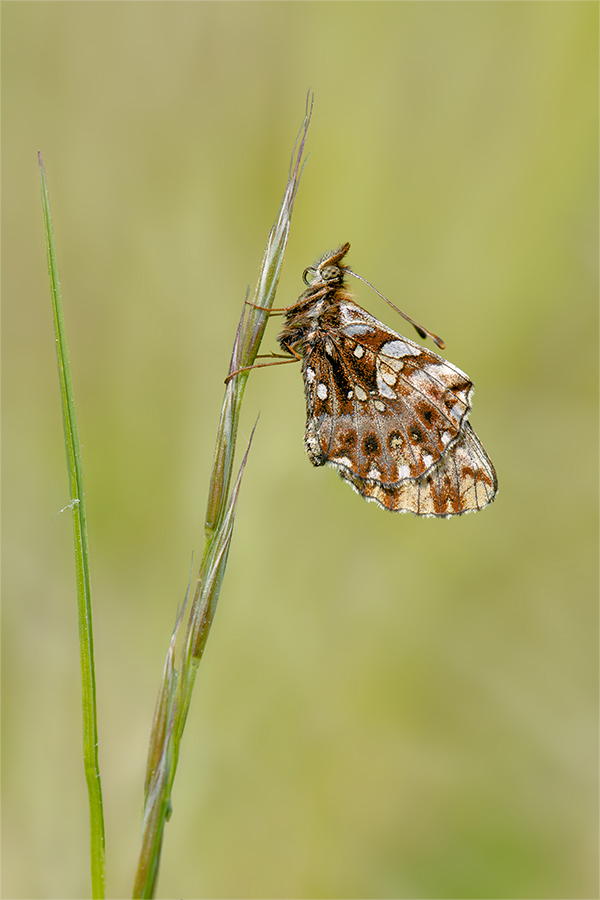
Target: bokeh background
388	707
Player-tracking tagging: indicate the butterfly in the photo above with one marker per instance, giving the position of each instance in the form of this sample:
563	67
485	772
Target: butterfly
391	416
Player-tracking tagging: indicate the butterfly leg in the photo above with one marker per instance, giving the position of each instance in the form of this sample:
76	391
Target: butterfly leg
270	310
279	359
284	309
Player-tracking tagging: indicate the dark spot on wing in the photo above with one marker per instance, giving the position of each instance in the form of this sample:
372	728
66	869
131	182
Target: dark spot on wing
348	439
425	412
370	445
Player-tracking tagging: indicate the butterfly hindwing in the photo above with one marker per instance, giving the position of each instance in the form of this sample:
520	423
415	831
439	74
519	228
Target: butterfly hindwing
463	481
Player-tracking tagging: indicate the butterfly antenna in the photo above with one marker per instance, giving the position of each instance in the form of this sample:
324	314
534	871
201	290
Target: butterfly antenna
421	331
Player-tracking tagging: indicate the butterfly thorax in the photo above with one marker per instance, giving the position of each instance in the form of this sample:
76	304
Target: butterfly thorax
316	312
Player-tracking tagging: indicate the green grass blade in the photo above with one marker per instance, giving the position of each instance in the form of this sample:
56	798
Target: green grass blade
80	540
250	333
176	691
175	697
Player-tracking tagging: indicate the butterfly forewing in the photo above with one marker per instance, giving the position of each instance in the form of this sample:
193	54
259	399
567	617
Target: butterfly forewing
390	415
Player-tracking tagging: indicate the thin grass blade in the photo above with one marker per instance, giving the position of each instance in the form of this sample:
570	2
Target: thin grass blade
175	697
82	568
219	522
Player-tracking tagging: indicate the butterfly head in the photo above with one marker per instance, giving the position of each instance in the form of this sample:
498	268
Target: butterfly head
328	270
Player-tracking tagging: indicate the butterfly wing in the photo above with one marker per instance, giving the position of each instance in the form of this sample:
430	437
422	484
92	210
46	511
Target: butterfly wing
379	407
463	481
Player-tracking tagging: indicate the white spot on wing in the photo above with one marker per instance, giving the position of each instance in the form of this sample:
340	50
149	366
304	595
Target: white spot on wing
359	351
310	374
403	472
351	330
379	405
322	391
359	393
400	348
384	389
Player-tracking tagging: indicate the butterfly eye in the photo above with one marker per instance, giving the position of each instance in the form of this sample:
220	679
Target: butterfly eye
331	273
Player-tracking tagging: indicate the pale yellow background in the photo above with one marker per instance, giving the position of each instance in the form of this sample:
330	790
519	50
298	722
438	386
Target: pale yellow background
388	707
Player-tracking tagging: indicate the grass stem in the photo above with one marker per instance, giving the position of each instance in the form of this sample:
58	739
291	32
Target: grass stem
177	685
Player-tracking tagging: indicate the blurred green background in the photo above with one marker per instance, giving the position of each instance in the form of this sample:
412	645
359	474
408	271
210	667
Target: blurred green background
388	707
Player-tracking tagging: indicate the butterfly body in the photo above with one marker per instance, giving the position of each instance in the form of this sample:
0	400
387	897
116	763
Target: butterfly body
388	414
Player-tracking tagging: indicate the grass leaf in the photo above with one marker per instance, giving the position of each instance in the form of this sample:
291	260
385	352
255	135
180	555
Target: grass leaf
82	566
